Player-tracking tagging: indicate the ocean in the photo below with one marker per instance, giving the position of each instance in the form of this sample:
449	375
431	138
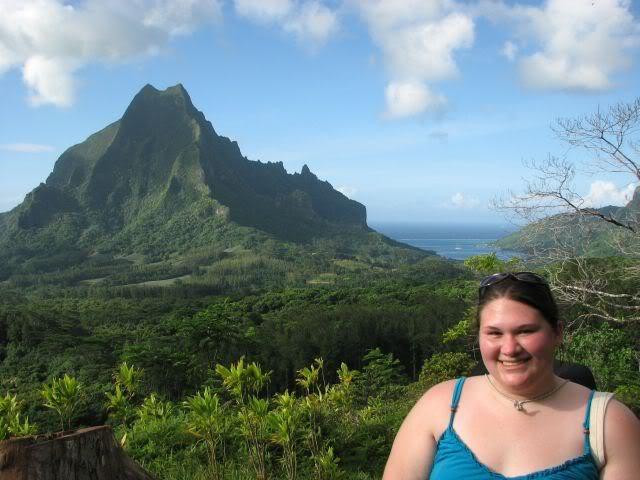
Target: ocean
455	241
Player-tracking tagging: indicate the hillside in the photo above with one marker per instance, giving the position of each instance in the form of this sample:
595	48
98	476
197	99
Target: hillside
158	195
583	234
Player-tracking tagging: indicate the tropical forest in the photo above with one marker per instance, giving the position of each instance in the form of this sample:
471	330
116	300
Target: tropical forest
230	320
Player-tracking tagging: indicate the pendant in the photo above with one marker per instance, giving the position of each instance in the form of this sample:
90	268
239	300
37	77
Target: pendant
519	405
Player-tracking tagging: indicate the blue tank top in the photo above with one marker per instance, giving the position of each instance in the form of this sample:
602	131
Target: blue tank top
454	460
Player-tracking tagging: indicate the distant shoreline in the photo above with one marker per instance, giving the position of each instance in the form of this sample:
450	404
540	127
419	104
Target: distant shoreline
456	241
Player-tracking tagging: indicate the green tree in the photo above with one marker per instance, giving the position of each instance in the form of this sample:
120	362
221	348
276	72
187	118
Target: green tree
380	373
154	407
489	263
245	382
253	416
286	424
610	354
127	382
328	465
445	366
64	396
207	419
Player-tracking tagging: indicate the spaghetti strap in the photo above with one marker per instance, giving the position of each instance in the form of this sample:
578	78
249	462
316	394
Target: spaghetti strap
454	460
586	424
457	391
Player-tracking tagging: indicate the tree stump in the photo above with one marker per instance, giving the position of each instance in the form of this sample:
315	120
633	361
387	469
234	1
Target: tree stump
86	454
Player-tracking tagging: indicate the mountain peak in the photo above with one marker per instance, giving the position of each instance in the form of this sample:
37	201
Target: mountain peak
175	95
148	89
163	160
154	112
305	172
177	89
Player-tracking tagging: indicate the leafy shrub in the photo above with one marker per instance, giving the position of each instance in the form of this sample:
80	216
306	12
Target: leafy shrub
11	421
610	354
445	366
63	395
208	420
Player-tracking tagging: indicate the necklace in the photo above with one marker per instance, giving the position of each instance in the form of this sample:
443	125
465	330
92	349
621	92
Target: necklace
519	404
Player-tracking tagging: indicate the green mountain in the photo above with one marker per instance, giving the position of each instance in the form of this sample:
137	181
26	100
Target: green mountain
160	185
584	234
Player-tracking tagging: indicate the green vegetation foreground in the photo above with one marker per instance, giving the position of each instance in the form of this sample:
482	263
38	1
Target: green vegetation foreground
328	373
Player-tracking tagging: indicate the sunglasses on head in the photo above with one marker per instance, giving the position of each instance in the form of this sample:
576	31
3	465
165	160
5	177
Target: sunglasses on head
526	277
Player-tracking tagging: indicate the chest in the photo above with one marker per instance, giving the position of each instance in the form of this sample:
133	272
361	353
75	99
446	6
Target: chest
516	443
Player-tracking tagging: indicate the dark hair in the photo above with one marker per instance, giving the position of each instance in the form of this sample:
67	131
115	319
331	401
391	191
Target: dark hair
536	295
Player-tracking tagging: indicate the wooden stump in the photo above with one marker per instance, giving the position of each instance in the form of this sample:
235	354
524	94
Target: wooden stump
86	454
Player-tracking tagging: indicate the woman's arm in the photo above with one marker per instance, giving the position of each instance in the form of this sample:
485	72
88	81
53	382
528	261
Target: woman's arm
621	443
414	447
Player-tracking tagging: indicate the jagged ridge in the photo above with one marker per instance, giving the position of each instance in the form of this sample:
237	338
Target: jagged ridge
161	180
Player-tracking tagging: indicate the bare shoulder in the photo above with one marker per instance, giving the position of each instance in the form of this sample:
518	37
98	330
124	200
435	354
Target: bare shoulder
439	393
621	424
434	407
414	447
622	442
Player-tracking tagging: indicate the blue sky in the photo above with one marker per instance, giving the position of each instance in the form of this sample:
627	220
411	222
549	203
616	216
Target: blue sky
423	110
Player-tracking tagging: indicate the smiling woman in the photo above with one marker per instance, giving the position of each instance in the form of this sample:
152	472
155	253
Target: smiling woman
519	331
520	421
517	347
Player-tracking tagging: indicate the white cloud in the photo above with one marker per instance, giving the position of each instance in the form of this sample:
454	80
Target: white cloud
602	193
411	98
313	22
425	50
50	40
26	148
418	40
570	44
385	15
459	200
310	21
180	17
49	80
509	50
347	191
264	10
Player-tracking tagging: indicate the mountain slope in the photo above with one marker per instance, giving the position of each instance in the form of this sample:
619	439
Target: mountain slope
583	234
160	183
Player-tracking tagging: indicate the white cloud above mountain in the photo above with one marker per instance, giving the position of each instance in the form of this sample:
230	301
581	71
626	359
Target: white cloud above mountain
418	40
577	45
411	98
571	45
602	193
264	11
50	40
311	21
582	44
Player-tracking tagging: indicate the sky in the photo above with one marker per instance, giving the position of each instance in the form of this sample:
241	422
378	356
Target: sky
422	110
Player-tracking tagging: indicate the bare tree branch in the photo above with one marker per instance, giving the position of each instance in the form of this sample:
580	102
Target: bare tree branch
558	215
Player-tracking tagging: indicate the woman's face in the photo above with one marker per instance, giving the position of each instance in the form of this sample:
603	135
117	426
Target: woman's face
517	344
